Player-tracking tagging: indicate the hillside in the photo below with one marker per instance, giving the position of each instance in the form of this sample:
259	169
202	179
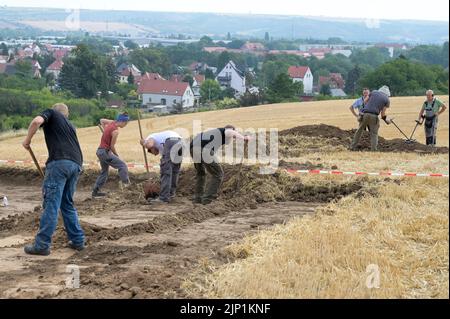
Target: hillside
198	24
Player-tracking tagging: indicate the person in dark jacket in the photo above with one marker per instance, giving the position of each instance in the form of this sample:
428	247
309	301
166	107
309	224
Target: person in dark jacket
63	167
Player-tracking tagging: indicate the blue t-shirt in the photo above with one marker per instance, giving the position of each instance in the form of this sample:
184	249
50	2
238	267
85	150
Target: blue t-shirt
61	138
358	104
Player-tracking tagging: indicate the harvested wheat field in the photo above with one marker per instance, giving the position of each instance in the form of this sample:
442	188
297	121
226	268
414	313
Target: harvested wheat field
282	235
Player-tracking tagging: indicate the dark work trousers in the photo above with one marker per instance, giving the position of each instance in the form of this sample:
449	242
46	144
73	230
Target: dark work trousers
170	168
107	159
214	182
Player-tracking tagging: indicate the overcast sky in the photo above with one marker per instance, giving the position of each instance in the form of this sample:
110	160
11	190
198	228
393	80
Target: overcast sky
369	9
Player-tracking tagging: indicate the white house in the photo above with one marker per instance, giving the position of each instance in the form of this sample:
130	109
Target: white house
55	68
302	74
196	86
232	77
161	92
125	70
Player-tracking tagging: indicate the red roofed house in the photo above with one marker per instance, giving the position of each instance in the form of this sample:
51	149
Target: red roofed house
302	74
253	46
55	68
148	76
334	80
177	78
125	72
160	92
215	49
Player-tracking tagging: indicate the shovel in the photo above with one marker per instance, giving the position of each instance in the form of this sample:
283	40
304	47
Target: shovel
36	162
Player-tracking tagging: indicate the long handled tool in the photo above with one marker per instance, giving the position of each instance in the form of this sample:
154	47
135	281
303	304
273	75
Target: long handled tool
408	140
36	162
418	123
238	179
142	137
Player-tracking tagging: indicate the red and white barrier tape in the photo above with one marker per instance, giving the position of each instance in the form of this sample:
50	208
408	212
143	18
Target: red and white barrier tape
308	172
387	174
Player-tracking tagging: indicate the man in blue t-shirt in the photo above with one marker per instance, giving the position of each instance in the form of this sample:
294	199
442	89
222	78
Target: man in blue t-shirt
358	105
64	164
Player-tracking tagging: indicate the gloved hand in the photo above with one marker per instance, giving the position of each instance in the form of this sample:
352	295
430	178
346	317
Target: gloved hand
387	120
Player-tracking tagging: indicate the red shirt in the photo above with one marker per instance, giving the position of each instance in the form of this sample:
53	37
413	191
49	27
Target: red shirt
107	136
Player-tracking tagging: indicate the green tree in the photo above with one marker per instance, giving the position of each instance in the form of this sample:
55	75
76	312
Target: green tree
130	79
210	90
325	89
188	79
267	37
131	44
209	75
371	56
405	77
223	60
271	70
88	73
236	44
283	89
4	49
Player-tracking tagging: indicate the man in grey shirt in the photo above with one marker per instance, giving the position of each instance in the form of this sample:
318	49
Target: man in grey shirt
376	103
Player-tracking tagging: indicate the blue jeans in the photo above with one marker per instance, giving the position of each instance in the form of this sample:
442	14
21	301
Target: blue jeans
60	183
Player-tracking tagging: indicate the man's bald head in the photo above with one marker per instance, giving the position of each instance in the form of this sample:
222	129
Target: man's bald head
62	108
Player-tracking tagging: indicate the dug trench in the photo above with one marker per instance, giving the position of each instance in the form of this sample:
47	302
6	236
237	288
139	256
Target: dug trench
135	250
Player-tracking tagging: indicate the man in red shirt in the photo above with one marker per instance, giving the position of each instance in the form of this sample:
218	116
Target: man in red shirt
107	153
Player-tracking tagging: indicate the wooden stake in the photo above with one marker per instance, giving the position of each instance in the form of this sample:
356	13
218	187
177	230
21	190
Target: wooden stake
142	137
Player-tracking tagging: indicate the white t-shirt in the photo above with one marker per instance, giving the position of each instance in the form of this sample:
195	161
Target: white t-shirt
160	138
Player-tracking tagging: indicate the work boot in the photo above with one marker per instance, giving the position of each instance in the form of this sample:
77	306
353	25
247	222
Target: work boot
97	193
32	250
75	247
157	201
196	200
206	201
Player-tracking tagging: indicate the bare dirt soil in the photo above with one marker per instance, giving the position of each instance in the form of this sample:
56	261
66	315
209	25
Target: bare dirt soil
294	141
140	251
135	250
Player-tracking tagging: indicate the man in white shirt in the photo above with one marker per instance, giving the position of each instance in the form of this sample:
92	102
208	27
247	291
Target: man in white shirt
168	144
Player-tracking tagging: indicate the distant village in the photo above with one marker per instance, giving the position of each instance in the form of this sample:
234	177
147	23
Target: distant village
160	94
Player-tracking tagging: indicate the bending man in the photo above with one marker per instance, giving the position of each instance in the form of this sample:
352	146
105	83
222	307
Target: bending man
108	156
377	103
168	144
203	151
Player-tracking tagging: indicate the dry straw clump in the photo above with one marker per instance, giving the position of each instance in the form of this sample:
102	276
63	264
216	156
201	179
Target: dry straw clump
401	227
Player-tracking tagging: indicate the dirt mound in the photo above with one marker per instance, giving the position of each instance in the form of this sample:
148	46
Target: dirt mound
297	140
